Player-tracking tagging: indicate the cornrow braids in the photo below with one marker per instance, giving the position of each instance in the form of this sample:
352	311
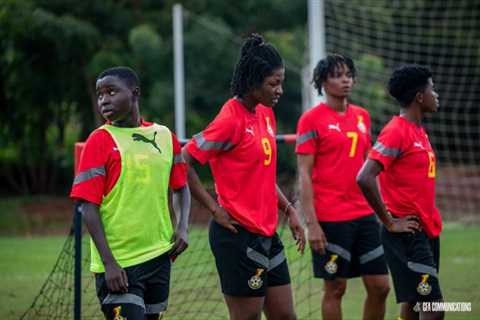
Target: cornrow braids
406	81
258	60
126	74
326	67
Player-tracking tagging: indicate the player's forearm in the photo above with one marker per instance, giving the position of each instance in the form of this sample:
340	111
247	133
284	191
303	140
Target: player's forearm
367	181
283	203
306	198
199	192
181	207
91	217
196	187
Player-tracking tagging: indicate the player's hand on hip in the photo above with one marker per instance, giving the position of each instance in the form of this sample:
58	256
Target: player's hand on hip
116	278
316	237
220	215
180	243
405	224
297	231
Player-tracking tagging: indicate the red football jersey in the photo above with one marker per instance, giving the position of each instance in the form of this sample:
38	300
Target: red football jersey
339	144
101	161
241	149
407	181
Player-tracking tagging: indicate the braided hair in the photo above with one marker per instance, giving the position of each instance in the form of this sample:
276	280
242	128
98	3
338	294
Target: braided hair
326	67
258	60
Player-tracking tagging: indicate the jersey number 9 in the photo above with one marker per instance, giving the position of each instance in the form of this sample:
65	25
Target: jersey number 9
267	149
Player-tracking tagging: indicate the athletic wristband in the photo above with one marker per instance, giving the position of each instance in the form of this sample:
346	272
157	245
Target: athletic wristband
289	204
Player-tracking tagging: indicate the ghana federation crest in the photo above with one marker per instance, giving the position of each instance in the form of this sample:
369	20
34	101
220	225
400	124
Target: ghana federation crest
255	282
424	288
361	125
331	266
269	127
116	313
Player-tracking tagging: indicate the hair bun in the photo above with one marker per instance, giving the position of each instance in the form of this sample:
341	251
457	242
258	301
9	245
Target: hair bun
254	40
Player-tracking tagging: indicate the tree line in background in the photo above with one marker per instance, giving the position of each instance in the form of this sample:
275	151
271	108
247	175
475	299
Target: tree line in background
52	50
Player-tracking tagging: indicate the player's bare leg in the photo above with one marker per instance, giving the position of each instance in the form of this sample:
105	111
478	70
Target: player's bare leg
332	298
244	308
377	287
279	303
407	312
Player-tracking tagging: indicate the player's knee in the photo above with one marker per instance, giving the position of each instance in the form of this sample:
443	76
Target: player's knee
382	292
245	312
438	315
284	315
247	316
289	316
379	290
335	290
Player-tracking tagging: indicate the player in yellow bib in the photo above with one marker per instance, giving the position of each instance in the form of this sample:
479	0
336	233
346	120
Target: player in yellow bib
126	170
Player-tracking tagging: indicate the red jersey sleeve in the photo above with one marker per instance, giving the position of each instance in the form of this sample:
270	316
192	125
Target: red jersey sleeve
178	174
221	135
306	136
90	182
388	146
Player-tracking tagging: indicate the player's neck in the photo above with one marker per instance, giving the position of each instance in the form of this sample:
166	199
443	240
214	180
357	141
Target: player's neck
131	122
247	102
412	114
336	103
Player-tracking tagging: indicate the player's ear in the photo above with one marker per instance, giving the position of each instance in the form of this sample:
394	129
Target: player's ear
419	97
136	92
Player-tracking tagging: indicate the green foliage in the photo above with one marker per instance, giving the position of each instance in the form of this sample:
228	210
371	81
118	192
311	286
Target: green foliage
370	89
52	50
41	55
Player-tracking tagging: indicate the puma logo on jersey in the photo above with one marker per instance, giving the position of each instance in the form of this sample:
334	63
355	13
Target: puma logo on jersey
335	127
139	137
419	145
250	130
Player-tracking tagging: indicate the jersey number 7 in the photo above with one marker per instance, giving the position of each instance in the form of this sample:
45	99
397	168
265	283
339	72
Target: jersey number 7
353	148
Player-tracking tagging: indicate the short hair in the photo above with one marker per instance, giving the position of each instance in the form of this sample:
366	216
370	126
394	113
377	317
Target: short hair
406	81
126	74
258	60
326	67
